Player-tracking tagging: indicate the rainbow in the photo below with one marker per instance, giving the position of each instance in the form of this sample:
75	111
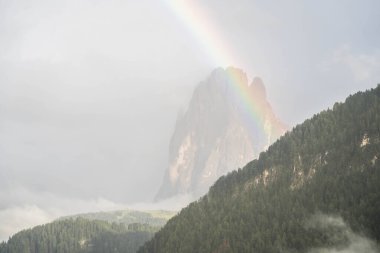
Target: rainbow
206	33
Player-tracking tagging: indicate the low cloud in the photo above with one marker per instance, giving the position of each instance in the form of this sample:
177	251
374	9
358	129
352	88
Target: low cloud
22	208
355	243
17	218
27	209
175	203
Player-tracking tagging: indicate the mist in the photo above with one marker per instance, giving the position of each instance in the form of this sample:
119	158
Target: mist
356	243
90	90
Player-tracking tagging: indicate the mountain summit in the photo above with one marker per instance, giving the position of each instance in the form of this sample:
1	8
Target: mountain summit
227	124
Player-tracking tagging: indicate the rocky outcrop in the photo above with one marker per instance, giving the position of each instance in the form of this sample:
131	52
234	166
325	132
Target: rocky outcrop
227	124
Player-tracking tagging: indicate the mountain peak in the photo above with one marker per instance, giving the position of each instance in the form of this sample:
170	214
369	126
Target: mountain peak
218	133
258	87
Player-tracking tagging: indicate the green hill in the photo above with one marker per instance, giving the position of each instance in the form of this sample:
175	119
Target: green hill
102	232
316	189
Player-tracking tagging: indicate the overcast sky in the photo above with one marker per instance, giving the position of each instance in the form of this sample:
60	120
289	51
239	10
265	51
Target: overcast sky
90	90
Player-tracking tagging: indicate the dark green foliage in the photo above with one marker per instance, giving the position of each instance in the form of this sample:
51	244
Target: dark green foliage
79	236
329	164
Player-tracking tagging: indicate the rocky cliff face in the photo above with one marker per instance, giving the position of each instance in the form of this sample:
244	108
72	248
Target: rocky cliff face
227	124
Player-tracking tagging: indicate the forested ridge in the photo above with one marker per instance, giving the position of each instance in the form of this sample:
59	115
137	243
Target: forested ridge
327	165
80	235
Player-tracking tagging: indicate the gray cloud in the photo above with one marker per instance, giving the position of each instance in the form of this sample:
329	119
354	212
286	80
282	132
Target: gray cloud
362	66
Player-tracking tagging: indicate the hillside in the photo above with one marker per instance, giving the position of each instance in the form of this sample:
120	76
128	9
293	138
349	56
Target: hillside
101	232
79	236
316	189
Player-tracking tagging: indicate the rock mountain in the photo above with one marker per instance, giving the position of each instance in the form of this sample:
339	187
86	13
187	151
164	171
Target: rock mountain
228	123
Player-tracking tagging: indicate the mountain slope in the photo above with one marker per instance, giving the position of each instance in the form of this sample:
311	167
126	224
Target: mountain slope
102	232
227	124
79	236
316	189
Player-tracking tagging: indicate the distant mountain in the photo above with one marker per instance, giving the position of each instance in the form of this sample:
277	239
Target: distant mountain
227	124
316	189
102	232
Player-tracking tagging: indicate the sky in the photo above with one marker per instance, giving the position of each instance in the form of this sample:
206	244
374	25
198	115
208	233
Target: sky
90	90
